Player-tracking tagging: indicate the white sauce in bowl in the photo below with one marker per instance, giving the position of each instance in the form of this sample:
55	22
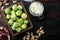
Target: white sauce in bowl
36	8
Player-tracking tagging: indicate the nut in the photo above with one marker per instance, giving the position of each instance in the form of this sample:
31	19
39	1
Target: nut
32	38
36	36
42	32
24	38
40	28
7	4
35	39
37	31
14	1
39	34
28	37
2	8
31	33
0	15
28	33
0	3
5	1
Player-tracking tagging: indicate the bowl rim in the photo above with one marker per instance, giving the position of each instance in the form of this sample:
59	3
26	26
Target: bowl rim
36	2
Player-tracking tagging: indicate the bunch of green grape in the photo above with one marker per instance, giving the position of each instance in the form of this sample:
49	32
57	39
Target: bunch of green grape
17	19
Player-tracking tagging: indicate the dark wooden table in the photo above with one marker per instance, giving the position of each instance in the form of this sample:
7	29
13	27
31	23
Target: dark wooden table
50	23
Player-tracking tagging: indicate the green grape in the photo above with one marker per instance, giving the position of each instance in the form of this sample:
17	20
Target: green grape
24	16
20	21
8	16
8	11
15	25
24	26
14	7
10	22
13	17
20	7
26	21
19	13
12	12
18	29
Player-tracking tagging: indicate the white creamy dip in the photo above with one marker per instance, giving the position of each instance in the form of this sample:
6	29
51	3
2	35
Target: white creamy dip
36	8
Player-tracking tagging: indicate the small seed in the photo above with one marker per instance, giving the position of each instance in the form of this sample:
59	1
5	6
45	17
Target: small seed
6	4
0	3
24	38
39	34
37	31
42	32
36	36
14	1
40	28
5	1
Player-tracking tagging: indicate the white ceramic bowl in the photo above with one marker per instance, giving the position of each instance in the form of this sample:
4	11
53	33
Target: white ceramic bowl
38	10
